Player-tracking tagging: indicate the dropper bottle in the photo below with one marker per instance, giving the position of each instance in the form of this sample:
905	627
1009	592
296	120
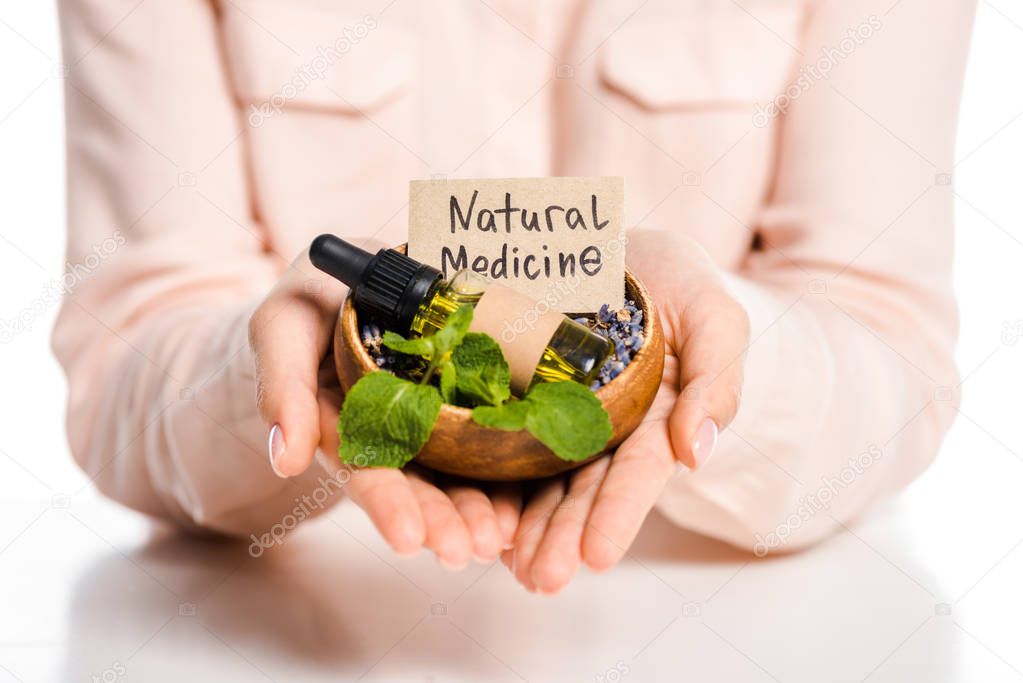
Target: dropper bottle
414	299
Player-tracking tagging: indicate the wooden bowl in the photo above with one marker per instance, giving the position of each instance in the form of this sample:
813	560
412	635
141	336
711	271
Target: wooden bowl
461	447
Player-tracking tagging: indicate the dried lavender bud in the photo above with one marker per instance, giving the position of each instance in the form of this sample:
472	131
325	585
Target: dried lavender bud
616	368
623	327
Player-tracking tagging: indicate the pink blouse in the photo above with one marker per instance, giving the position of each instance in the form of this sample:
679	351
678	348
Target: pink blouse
805	143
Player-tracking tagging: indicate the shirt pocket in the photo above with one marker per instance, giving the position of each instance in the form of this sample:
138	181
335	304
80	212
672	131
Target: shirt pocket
328	97
716	58
307	55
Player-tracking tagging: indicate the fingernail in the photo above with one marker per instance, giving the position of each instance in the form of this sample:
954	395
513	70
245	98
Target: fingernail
406	545
406	554
450	566
704	442
275	448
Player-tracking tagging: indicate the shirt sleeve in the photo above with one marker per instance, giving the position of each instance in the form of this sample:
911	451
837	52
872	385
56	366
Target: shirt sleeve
165	264
850	380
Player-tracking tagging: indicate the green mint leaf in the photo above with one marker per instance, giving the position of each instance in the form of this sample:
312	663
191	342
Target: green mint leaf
450	336
510	416
483	374
567	418
448	382
421	346
385	421
436	347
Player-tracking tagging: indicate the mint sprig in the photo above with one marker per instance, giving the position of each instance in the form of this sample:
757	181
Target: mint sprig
437	347
386	420
482	373
564	416
448	382
510	416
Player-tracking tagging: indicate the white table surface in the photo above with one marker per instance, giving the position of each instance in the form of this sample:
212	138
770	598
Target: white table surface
927	588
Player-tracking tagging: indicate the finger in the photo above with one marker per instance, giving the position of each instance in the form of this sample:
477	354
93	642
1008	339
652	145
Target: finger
507	558
384	494
289	335
507	501
388	499
711	347
560	553
669	263
446	533
329	399
532	526
637	475
479	516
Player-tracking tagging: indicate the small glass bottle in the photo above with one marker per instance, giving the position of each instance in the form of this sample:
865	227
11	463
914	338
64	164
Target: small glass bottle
408	297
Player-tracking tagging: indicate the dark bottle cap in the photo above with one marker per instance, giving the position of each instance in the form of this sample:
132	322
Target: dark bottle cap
388	286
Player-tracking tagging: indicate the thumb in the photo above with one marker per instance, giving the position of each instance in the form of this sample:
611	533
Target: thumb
289	335
711	345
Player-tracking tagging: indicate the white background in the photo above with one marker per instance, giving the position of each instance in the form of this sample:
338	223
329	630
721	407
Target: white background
77	593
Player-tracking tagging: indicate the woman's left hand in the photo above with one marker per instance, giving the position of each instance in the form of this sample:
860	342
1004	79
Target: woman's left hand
594	513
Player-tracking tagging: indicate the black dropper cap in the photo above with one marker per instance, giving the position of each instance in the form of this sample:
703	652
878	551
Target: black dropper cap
387	286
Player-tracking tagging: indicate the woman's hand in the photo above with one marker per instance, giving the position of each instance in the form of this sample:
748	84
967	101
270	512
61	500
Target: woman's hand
594	514
299	398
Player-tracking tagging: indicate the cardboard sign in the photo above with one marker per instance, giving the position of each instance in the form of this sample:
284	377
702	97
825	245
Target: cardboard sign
558	240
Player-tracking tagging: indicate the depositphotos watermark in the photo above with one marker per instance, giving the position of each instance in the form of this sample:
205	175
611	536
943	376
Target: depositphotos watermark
811	74
55	289
1012	331
111	674
819	500
614	674
555	293
304	508
314	70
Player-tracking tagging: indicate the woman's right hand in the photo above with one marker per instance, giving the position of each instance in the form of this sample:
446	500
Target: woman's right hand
298	397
